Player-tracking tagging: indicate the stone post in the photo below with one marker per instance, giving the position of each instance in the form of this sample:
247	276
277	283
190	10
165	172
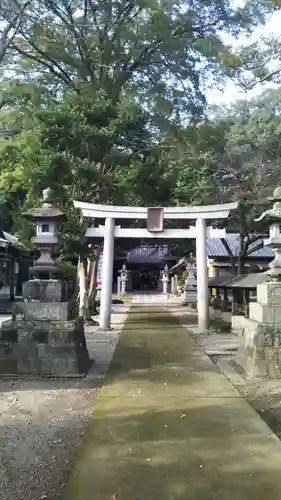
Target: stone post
173	290
107	274
119	286
202	274
176	283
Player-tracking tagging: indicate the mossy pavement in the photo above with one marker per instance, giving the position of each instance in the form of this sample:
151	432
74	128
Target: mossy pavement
168	425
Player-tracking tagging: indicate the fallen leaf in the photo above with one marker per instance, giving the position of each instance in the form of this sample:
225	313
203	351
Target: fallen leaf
114	496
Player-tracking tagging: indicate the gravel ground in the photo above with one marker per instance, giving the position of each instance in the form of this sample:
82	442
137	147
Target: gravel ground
42	423
264	395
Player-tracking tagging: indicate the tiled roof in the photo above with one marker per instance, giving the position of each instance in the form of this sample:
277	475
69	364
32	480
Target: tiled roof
222	281
238	281
216	247
149	254
250	280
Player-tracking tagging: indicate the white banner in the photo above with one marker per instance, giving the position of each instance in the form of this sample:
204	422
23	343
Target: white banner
99	272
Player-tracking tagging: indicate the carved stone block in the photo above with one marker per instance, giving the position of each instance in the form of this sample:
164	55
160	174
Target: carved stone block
44	290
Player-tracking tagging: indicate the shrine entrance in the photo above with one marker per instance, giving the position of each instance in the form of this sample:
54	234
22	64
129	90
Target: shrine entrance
155	217
147	280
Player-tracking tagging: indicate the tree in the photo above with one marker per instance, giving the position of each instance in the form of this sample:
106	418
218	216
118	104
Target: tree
77	146
161	51
11	17
248	169
101	88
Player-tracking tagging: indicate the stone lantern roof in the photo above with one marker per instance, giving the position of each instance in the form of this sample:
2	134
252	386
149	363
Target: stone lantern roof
47	210
44	213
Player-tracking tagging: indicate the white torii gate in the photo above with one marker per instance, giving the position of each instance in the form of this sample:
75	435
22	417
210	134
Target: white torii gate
155	229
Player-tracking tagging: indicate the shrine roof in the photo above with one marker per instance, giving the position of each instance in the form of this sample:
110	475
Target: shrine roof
149	254
239	281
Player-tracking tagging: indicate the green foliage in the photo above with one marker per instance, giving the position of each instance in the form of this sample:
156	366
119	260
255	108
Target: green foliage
109	97
68	270
159	50
183	278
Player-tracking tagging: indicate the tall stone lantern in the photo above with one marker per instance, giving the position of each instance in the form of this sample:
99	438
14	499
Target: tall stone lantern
165	279
47	219
190	285
45	337
260	351
123	279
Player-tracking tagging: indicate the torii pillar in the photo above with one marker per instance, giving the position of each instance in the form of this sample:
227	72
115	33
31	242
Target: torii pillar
107	274
202	275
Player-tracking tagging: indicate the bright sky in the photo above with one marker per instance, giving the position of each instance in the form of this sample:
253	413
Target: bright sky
231	92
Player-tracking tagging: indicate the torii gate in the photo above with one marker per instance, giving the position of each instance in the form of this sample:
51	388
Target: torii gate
155	229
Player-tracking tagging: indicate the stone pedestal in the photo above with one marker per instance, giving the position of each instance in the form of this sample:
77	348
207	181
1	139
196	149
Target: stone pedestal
44	336
165	286
173	288
260	353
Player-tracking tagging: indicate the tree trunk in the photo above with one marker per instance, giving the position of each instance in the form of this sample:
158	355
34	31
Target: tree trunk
87	279
83	286
241	255
90	291
93	287
241	264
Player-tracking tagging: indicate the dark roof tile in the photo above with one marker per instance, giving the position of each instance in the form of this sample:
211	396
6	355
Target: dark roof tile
149	254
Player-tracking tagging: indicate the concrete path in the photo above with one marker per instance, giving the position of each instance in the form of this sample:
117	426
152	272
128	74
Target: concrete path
168	425
102	344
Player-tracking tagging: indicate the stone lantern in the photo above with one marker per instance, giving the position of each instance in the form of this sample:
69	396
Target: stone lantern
45	337
123	279
47	219
165	279
190	285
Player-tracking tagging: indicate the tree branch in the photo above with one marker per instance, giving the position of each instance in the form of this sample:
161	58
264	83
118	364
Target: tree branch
265	78
43	62
12	25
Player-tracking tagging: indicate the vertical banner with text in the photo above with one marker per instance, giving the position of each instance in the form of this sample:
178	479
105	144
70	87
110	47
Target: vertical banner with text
99	272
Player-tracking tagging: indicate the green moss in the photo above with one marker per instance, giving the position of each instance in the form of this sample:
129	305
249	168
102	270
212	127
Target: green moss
161	426
220	325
